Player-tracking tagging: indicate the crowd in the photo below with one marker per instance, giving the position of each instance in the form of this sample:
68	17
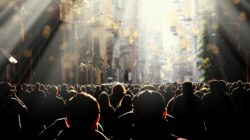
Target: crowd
193	111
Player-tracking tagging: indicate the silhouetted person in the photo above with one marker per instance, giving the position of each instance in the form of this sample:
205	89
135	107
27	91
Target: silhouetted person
63	92
18	90
117	94
129	92
54	106
52	131
83	114
124	106
23	93
103	88
147	121
97	92
171	101
150	112
168	94
136	90
186	111
107	114
34	122
11	113
83	89
239	100
217	111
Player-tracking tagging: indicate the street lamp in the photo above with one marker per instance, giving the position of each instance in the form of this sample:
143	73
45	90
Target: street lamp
11	58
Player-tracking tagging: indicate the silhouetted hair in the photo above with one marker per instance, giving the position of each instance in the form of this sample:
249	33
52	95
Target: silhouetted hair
217	86
53	91
149	104
104	99
118	89
118	92
129	92
64	87
148	87
82	111
187	87
37	86
126	100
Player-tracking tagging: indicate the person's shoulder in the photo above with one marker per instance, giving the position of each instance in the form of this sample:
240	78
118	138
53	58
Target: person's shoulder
100	136
178	97
127	119
207	96
111	109
197	98
159	130
16	104
67	133
53	130
128	115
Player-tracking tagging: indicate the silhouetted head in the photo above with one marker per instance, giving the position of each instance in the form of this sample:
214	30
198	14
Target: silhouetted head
187	88
149	105
70	94
97	88
71	87
129	92
103	88
177	92
136	90
148	87
83	89
161	88
126	100
239	83
118	89
42	87
83	111
118	92
4	89
37	86
217	86
25	86
19	87
53	91
89	89
104	99
213	84
64	87
223	86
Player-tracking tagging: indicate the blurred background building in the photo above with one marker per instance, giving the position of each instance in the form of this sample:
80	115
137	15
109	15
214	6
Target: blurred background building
132	41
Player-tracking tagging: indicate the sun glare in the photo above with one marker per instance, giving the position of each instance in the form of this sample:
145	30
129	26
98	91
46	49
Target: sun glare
169	38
